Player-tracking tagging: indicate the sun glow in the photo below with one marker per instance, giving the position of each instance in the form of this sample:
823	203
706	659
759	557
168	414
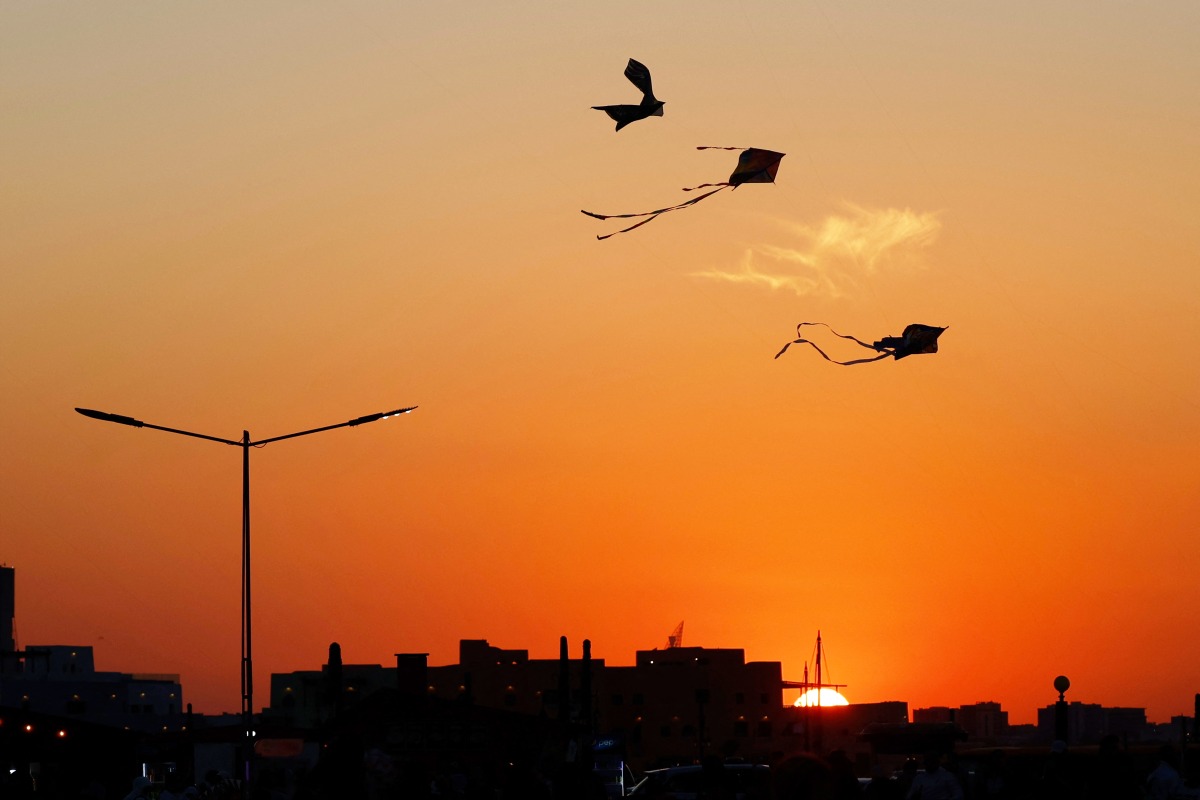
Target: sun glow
828	697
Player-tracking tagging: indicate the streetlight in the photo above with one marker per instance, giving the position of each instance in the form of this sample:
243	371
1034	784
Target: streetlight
247	670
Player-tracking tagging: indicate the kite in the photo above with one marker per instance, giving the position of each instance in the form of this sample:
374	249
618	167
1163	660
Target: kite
754	166
915	340
650	106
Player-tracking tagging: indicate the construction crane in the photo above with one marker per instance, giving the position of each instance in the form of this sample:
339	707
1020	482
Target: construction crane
676	637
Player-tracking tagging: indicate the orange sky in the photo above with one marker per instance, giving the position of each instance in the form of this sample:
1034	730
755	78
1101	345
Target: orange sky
275	217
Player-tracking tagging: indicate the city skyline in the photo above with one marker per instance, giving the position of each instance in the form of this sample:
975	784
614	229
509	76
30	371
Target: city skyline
267	217
810	676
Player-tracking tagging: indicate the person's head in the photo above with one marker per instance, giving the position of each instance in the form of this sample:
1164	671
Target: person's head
1168	755
933	760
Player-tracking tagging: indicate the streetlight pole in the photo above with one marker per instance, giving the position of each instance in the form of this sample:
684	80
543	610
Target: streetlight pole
247	668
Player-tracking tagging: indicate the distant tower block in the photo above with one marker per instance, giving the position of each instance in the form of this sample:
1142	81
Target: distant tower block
676	637
8	608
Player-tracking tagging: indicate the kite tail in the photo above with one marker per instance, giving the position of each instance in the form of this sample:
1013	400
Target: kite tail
826	357
722	148
624	230
650	215
705	186
840	335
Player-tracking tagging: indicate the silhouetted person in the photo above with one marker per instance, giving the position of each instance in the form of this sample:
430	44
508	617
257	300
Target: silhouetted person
1112	776
952	765
845	782
1165	782
882	786
803	777
936	782
908	774
1056	782
993	778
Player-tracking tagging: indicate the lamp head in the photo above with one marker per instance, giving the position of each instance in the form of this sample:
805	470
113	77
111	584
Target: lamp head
106	417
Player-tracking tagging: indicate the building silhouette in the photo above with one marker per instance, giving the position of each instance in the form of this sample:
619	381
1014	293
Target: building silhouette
674	705
982	722
1088	723
62	680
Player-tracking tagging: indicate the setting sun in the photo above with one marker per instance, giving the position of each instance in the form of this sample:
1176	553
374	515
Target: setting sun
828	697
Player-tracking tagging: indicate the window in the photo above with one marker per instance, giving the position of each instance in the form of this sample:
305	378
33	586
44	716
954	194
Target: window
638	699
618	700
688	731
764	698
740	729
739	698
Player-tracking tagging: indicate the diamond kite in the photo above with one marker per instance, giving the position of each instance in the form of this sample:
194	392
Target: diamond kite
650	106
915	340
754	166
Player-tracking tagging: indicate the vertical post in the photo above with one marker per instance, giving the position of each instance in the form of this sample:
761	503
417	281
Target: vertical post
817	733
585	706
247	636
564	684
807	713
1061	729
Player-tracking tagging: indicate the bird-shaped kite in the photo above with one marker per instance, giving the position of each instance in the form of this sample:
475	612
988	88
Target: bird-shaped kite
650	106
754	166
915	340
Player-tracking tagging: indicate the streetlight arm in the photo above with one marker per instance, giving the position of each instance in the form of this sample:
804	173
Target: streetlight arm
137	423
349	423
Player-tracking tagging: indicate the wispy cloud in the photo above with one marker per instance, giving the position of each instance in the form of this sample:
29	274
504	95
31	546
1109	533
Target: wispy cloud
830	258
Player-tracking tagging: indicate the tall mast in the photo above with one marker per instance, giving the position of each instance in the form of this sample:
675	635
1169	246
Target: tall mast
818	668
817	737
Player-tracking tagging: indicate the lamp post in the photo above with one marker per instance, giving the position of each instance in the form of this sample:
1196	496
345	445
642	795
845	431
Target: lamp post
1061	732
247	669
